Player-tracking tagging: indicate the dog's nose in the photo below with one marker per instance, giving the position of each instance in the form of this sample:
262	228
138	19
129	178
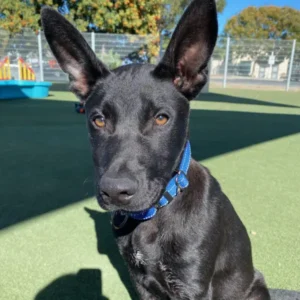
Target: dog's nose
119	190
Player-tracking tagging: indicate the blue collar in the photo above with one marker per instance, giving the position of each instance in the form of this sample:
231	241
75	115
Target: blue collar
174	187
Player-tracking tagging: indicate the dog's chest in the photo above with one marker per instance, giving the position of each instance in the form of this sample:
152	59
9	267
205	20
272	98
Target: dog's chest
141	248
151	264
139	259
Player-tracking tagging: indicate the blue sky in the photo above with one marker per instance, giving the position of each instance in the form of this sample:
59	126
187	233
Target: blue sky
235	6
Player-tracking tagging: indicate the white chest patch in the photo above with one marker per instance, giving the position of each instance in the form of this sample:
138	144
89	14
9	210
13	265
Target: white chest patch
139	258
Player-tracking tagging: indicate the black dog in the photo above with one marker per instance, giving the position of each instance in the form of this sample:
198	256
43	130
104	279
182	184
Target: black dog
179	234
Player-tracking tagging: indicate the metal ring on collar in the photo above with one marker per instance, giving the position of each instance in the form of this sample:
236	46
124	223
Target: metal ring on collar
126	217
177	178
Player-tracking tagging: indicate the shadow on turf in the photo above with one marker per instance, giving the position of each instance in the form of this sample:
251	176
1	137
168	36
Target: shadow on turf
85	285
106	245
277	294
60	87
46	161
215	133
221	98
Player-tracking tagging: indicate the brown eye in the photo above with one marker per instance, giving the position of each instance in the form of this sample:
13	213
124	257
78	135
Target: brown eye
161	120
99	122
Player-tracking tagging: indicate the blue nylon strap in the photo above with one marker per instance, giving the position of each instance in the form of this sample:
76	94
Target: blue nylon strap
175	185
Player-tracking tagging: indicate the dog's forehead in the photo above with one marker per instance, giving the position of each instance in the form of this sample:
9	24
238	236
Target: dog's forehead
134	87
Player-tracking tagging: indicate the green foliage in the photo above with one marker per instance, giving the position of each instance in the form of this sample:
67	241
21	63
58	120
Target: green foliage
18	15
142	17
110	58
221	5
120	16
265	22
173	10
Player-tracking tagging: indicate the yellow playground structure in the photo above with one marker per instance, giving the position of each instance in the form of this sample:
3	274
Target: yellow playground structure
25	71
5	73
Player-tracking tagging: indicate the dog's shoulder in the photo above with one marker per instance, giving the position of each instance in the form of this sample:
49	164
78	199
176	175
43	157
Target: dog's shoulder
204	183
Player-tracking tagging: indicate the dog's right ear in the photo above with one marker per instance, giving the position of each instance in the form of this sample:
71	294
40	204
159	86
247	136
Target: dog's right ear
72	52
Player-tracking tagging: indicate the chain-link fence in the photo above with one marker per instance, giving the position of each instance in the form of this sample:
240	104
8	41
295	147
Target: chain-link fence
253	63
243	63
114	49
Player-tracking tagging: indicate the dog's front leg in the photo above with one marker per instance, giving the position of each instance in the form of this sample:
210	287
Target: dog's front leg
203	295
144	294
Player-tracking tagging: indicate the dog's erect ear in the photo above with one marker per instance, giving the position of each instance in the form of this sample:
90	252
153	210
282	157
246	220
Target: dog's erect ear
72	52
190	48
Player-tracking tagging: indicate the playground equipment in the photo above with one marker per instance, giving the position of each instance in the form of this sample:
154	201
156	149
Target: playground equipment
25	71
25	87
5	73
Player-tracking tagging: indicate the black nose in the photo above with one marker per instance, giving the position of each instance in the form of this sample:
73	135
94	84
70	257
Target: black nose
119	190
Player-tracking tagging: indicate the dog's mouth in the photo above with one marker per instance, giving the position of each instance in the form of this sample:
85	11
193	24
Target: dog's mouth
139	203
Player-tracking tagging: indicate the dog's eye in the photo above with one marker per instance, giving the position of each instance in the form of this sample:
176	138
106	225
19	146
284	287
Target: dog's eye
161	120
99	122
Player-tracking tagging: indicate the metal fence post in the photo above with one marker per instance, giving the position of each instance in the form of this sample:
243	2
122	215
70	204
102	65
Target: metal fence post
161	43
93	41
226	62
39	37
291	66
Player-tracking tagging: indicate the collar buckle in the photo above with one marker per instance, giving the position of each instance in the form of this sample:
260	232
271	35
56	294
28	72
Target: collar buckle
180	185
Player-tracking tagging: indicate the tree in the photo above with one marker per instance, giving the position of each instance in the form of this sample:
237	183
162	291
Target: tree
119	16
172	10
114	16
258	32
141	17
221	4
171	13
266	22
17	15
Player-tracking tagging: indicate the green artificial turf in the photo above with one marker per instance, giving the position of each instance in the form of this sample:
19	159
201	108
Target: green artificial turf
55	243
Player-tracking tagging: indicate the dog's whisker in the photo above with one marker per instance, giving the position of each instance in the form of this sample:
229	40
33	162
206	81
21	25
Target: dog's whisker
87	180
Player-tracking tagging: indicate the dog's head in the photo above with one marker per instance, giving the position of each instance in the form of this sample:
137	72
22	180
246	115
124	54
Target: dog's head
137	115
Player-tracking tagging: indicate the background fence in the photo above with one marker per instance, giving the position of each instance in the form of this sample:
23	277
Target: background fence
239	63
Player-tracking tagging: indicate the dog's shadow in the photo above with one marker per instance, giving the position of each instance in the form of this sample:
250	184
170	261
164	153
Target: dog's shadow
106	245
277	294
85	285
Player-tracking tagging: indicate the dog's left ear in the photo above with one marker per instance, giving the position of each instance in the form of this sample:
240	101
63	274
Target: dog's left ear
190	48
